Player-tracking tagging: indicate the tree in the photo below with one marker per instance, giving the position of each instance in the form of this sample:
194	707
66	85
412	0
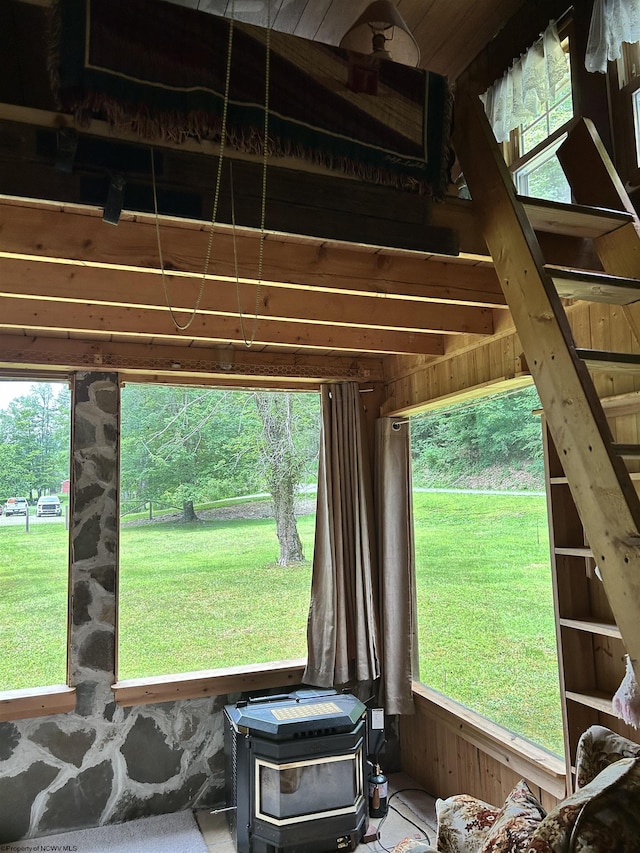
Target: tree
285	453
35	435
182	445
493	439
193	444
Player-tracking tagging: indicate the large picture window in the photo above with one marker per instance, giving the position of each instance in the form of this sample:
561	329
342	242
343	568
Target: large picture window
483	574
35	420
216	529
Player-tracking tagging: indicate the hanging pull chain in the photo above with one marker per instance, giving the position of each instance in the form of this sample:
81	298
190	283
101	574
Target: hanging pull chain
216	196
263	205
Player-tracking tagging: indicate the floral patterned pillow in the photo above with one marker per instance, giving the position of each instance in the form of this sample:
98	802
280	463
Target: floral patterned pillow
515	824
602	816
599	747
463	823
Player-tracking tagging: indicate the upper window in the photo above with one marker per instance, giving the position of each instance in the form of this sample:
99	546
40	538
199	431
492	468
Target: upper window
626	113
217	527
35	420
531	152
529	109
541	176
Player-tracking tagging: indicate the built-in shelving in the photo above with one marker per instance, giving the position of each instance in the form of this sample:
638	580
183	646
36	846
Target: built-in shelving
590	648
577	551
597	699
592	626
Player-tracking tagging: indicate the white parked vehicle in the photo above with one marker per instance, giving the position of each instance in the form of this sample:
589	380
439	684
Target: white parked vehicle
48	505
16	506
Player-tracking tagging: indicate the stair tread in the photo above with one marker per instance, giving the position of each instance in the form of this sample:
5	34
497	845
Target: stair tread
602	359
629	450
572	219
594	286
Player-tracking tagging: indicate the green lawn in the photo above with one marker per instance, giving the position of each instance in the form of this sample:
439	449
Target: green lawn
210	595
33	604
485	608
228	602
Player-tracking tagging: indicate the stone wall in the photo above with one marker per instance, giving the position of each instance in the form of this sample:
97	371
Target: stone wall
102	763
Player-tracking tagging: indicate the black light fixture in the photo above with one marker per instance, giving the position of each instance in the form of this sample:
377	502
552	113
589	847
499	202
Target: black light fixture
66	147
115	199
381	32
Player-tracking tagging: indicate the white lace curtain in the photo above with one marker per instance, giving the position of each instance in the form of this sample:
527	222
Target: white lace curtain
612	22
526	88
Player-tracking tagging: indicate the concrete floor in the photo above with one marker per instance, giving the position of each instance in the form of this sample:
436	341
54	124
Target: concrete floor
408	805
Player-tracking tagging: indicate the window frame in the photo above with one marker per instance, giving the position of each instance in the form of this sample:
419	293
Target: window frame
43	701
511	149
164	687
624	87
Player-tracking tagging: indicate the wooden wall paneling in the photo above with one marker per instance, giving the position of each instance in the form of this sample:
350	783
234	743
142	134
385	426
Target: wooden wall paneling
463	32
289	15
580	322
475	371
466	753
578	655
572	586
598	601
568	531
331	20
579	717
452	777
324	205
420	753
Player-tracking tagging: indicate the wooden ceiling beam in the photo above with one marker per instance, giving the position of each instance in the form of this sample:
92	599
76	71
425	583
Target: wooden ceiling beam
52	231
71	283
183	363
127	322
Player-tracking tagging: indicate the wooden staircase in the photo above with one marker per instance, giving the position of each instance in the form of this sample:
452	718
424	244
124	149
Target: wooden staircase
594	464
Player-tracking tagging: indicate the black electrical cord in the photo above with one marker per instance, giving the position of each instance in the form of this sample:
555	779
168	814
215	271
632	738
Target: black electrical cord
419	828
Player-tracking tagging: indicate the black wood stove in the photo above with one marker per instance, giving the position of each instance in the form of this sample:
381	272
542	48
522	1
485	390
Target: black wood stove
296	771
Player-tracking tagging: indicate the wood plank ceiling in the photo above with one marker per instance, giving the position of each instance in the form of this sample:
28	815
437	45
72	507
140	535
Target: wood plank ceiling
76	292
450	34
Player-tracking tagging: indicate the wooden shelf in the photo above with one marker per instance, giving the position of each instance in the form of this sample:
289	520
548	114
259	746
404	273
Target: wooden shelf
627	451
593	626
589	641
596	699
610	361
573	551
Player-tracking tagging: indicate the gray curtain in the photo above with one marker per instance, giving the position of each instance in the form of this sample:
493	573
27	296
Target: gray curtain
361	624
342	631
396	558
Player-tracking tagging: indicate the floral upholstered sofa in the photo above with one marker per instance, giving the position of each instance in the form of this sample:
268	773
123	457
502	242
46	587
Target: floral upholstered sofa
602	816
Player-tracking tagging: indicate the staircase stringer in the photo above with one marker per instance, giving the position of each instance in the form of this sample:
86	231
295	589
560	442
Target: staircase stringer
599	481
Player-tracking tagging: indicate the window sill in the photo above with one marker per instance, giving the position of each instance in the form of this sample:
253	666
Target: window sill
208	682
519	754
36	702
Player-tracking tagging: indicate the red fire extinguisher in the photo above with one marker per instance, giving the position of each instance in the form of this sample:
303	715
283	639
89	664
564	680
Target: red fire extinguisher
378	793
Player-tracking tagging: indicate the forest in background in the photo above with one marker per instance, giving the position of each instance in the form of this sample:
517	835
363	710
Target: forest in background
491	443
201	444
